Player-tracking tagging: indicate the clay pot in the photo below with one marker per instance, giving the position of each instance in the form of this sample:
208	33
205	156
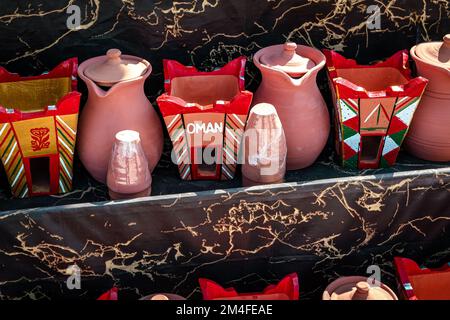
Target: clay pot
128	174
264	147
121	106
357	288
163	297
289	74
429	135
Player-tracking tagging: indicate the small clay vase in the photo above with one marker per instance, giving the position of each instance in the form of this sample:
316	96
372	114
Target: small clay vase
429	135
128	174
289	75
357	288
116	102
264	147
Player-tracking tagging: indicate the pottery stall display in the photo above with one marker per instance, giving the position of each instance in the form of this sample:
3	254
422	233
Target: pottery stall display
205	114
128	174
429	136
286	289
38	129
289	74
373	108
264	147
116	102
418	283
357	288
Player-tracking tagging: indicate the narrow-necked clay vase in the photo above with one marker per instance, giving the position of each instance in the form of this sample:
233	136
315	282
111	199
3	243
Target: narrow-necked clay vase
289	75
264	147
429	135
128	174
357	288
116	102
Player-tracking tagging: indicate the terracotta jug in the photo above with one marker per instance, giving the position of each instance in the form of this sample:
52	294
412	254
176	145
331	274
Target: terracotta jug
128	174
429	135
121	106
264	147
289	74
357	288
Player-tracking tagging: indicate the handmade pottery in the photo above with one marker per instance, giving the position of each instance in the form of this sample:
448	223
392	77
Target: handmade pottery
429	136
357	288
264	147
38	129
128	174
373	108
286	289
289	74
418	283
121	106
163	297
205	114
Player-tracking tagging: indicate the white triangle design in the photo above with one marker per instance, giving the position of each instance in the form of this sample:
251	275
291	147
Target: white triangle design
406	114
389	145
346	112
353	142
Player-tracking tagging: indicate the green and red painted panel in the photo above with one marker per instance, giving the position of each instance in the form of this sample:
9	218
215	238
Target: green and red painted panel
372	124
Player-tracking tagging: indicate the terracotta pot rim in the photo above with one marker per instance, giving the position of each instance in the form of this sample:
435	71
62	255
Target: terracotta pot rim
319	60
82	67
428	62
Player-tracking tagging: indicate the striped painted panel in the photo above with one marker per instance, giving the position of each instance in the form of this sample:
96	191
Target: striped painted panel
11	158
180	152
234	130
66	128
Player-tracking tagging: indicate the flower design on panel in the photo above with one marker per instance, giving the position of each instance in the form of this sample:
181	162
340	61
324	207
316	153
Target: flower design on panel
40	138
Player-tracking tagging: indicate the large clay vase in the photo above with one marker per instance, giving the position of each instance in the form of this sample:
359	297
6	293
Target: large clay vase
128	174
429	135
357	288
289	75
264	147
123	105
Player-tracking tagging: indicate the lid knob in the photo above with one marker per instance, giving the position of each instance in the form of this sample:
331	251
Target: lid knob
290	46
362	287
447	40
113	55
160	297
362	291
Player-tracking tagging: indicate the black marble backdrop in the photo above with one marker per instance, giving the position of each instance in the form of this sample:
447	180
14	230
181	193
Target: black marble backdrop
242	238
207	33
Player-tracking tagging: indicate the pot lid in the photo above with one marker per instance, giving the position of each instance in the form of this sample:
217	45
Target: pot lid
116	68
285	58
357	288
437	53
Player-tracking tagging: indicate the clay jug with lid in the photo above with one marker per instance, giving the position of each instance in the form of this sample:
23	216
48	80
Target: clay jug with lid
429	135
289	75
116	102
